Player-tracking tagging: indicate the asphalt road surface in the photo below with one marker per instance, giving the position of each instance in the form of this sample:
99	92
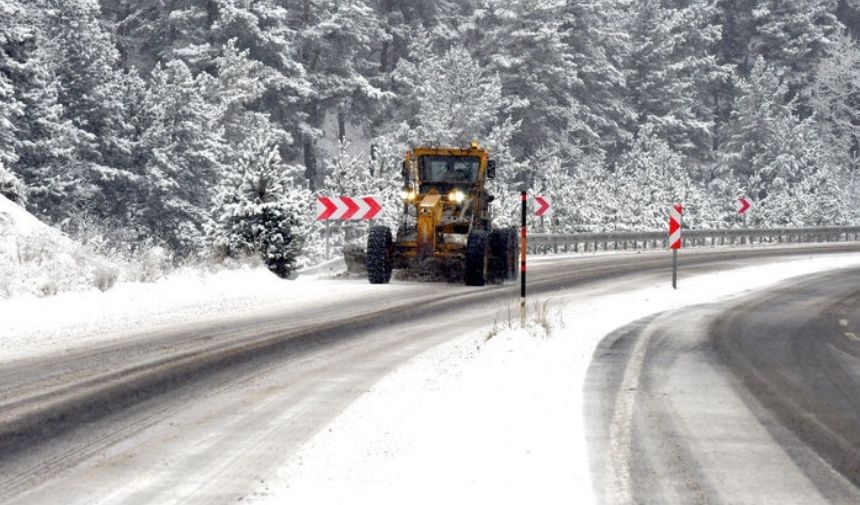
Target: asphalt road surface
202	413
746	402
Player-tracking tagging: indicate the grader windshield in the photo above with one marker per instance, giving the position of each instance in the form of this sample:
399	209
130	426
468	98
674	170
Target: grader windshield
449	169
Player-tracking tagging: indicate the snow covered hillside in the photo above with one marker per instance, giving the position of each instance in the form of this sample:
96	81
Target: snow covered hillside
38	260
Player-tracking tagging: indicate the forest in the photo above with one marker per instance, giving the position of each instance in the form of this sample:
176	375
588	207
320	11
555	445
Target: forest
207	127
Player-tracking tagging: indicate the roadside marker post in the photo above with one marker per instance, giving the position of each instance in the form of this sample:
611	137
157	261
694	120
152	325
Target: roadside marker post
523	248
675	213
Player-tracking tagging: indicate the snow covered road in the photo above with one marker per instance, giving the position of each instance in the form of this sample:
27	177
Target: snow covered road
749	400
255	408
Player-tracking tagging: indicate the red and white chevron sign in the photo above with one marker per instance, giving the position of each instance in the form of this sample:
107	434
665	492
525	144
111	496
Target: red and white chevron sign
675	213
544	206
347	208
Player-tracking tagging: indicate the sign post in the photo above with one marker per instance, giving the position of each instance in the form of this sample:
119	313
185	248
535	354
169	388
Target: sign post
675	213
327	243
523	249
674	269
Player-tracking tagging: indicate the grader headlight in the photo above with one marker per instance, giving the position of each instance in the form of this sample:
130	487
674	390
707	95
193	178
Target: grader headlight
457	196
408	195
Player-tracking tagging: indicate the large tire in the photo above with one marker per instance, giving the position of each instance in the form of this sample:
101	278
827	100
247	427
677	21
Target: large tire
379	249
475	272
499	256
513	253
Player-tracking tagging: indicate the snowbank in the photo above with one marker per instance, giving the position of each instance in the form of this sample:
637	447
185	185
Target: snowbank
36	325
38	260
498	420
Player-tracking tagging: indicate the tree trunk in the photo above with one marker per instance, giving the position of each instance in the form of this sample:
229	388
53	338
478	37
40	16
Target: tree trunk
309	146
310	158
341	124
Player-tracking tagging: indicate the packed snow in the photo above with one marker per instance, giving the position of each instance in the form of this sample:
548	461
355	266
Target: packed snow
494	418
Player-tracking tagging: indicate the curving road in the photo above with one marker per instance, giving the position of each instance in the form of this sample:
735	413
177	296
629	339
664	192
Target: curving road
196	414
753	401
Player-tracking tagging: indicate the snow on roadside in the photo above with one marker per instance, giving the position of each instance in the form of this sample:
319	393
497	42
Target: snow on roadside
32	325
493	421
39	260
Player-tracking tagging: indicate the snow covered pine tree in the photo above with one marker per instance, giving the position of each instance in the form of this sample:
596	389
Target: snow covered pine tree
257	211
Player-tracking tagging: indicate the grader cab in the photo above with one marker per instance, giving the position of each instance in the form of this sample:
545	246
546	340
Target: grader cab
446	227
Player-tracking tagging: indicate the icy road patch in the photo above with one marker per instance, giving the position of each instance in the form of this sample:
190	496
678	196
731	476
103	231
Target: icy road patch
498	420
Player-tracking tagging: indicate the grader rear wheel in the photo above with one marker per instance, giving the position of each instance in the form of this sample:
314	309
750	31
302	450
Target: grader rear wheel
475	272
513	254
499	256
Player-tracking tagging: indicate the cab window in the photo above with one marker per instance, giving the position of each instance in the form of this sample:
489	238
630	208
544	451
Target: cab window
449	169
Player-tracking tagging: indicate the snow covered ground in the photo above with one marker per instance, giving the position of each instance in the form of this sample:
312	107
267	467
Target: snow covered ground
498	420
39	260
37	325
478	419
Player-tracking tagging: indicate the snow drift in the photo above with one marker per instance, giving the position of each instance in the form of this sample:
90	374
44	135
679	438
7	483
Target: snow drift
39	260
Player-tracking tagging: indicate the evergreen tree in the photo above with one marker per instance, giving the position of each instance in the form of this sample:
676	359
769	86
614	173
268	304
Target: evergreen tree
592	196
85	80
724	193
91	86
11	187
258	210
672	69
242	83
601	117
848	13
37	141
835	102
760	106
211	35
652	177
453	100
522	42
15	36
775	154
794	35
182	149
337	40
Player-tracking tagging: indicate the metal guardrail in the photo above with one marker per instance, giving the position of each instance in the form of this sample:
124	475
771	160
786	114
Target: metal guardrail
543	243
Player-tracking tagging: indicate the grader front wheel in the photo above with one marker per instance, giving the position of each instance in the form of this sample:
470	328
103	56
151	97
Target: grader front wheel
379	261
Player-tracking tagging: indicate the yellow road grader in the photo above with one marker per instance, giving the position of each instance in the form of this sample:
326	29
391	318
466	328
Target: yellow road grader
447	226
